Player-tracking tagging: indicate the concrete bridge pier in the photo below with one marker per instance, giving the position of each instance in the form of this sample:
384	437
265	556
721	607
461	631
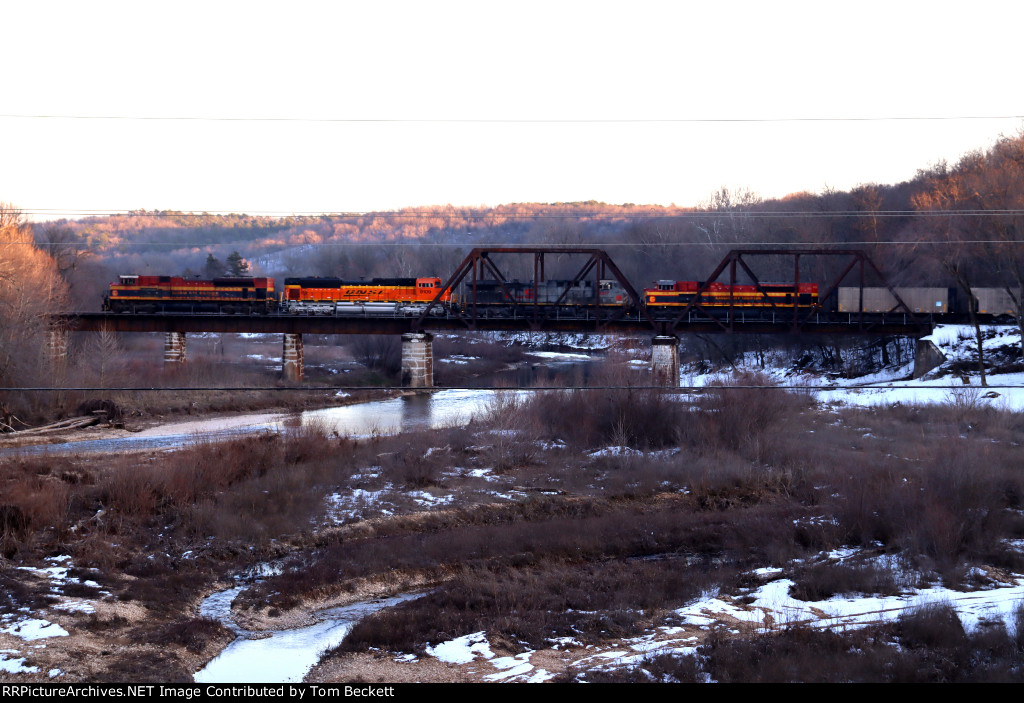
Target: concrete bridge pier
292	367
926	357
665	361
174	348
418	360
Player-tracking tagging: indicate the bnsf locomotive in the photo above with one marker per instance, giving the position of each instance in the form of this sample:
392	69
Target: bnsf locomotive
334	296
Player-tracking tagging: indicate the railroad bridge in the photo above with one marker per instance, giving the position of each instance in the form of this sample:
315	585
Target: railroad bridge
663	325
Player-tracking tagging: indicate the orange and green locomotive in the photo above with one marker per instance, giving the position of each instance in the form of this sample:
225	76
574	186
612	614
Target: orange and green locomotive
716	296
227	295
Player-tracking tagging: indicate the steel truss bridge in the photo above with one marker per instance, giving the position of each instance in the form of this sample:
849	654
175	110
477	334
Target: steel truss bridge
850	268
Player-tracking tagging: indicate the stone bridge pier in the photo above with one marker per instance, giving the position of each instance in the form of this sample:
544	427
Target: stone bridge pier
174	348
418	360
665	361
57	350
292	365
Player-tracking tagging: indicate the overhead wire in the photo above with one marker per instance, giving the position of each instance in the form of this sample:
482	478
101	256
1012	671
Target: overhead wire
666	389
509	120
495	213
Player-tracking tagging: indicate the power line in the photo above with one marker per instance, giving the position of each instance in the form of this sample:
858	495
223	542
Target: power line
141	247
488	214
504	120
667	389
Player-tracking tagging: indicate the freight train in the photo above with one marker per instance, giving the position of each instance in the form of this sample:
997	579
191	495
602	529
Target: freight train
413	296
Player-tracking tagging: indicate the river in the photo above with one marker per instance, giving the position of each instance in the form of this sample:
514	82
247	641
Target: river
434	410
438	409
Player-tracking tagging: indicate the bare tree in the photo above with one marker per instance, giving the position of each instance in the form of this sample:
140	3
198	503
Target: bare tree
378	352
105	354
728	215
954	237
31	290
998	187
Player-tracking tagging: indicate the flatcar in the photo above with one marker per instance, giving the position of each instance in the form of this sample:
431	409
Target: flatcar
335	296
228	294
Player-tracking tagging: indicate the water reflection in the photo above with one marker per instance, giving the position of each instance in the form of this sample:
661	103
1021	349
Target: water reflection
442	408
430	410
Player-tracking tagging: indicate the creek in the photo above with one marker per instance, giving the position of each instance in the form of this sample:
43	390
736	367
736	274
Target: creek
280	656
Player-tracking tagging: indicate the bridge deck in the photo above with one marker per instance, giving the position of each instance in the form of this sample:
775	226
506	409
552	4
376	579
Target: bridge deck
633	323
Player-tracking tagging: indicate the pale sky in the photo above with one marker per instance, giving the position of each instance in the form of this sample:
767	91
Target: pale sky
518	101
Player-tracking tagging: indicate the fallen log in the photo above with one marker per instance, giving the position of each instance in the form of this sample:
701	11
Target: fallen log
73	423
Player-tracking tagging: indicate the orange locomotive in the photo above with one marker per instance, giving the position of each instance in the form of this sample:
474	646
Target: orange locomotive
335	296
228	294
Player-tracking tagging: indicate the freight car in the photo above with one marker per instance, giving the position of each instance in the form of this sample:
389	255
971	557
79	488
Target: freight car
946	304
502	297
228	295
378	296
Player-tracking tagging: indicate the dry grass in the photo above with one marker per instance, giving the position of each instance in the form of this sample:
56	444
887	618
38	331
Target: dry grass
594	546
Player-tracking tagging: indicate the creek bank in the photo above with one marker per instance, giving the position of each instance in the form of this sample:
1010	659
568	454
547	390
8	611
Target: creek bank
75	439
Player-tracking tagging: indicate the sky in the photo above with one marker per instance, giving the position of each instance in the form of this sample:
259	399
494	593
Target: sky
341	106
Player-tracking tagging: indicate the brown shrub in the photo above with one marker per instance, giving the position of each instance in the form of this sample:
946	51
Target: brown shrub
193	635
822	581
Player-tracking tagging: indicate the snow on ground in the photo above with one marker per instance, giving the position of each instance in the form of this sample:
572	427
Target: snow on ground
471	648
768	608
616	451
559	356
349	508
30	626
15	664
765	608
33	627
771	607
888	387
580	340
429	500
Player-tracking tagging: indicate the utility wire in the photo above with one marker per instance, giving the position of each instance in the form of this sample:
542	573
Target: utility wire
139	247
498	215
667	389
501	120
